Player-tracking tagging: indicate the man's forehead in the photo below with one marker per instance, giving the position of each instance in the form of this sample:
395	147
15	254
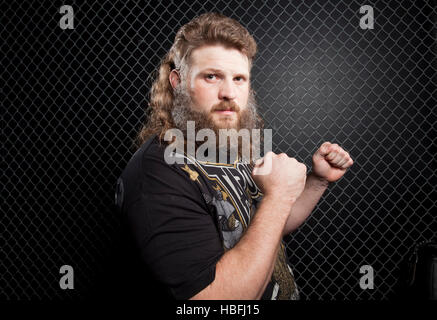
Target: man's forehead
220	59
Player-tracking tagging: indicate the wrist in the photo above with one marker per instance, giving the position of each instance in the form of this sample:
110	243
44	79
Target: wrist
285	202
320	181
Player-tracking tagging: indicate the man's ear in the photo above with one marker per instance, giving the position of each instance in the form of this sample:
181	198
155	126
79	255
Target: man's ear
174	78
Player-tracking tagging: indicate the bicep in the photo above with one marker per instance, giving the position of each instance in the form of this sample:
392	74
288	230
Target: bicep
178	240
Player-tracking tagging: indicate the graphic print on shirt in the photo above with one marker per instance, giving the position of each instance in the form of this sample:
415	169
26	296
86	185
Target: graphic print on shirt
230	225
234	193
235	197
235	185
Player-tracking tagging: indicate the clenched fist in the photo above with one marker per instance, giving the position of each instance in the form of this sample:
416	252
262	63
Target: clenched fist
280	177
330	162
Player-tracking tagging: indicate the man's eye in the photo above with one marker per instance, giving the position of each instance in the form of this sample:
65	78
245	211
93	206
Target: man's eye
210	76
239	79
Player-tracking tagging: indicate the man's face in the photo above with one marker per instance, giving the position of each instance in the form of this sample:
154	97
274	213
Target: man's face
215	93
218	84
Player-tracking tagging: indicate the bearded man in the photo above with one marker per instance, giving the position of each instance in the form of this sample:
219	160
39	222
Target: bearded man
205	229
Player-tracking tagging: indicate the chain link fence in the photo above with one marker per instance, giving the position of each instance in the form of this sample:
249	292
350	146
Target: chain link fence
73	100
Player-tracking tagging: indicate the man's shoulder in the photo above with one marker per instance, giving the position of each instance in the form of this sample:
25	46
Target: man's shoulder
148	157
151	148
148	170
148	178
135	163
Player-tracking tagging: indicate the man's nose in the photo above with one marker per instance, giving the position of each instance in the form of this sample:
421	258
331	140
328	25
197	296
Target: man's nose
227	90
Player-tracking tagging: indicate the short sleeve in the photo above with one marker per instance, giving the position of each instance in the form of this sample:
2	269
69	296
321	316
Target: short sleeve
176	234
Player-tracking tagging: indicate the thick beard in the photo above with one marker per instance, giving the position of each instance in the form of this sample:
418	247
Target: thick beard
182	112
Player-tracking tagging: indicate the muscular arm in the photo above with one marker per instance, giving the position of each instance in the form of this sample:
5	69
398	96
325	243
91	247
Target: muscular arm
244	271
314	189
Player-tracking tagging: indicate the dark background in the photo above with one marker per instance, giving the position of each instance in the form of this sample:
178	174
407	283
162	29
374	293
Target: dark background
73	100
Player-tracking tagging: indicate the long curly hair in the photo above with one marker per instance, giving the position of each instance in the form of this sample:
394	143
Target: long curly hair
206	29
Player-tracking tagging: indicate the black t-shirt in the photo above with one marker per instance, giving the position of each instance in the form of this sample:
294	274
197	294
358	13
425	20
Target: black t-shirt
183	217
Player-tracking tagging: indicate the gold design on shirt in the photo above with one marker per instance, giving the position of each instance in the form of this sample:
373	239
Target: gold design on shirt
282	276
193	174
224	194
231	222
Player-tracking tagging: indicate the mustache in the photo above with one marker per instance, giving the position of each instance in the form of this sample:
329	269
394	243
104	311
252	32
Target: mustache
225	106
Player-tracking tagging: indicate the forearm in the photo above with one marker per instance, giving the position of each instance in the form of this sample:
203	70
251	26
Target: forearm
244	271
313	191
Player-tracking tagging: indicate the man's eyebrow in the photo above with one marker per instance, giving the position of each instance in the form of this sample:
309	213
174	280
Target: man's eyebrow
238	74
211	69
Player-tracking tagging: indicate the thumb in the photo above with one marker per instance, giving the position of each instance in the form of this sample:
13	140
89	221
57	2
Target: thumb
264	165
259	162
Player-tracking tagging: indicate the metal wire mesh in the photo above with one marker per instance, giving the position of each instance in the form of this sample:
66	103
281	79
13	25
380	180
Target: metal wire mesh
73	101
